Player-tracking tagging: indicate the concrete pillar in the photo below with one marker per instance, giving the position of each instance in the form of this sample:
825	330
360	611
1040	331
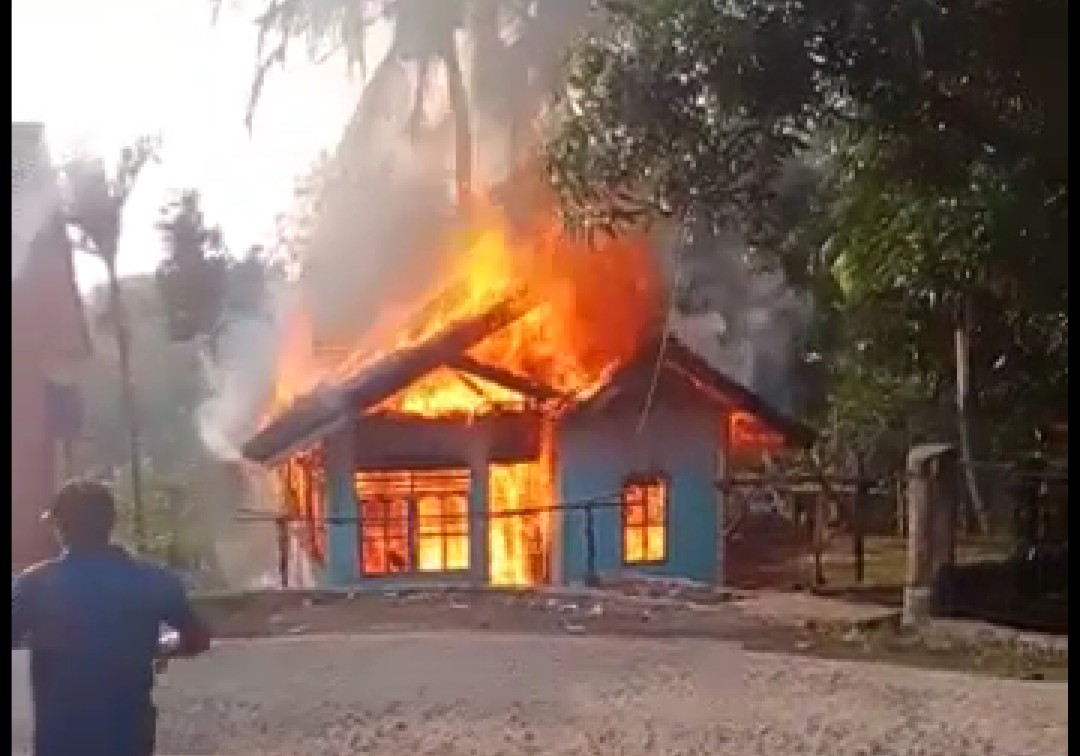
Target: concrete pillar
931	515
342	527
478	510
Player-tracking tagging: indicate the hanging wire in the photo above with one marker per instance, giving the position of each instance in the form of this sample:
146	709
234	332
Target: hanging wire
673	285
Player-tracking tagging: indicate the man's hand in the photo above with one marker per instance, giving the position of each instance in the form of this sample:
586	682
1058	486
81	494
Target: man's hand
192	640
191	635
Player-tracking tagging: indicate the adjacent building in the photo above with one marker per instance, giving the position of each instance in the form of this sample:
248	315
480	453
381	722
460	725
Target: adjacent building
49	339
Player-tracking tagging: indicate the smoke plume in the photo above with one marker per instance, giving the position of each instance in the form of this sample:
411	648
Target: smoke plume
366	233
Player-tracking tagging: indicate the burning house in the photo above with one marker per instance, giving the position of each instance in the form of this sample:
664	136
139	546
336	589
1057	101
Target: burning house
532	423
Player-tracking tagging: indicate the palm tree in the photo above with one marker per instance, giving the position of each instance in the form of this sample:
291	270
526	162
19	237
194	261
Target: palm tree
96	203
509	77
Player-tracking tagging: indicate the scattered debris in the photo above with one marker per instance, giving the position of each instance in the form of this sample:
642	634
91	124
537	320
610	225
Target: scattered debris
853	635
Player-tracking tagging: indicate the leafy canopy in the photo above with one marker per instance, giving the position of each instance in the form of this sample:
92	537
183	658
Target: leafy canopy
938	136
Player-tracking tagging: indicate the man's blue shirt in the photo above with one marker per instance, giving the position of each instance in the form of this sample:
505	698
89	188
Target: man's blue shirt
91	621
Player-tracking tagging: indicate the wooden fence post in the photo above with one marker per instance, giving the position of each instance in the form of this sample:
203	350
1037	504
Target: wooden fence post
858	507
282	524
901	506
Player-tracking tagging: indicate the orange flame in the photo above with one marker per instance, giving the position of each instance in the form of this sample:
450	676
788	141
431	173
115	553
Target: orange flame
587	311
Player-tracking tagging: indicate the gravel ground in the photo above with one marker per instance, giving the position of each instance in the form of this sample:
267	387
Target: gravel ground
459	693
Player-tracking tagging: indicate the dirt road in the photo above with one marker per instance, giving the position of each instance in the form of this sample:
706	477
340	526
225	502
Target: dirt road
460	693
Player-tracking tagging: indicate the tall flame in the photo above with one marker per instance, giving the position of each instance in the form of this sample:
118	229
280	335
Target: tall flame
587	309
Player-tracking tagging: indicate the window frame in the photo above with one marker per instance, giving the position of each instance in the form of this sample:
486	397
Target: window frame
644	480
450	527
384	538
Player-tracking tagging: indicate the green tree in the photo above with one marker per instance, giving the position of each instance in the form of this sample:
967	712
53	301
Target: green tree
96	200
187	492
200	284
509	75
192	279
423	35
939	136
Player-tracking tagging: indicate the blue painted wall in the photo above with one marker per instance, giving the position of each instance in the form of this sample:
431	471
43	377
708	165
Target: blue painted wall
341	568
598	450
595	452
342	564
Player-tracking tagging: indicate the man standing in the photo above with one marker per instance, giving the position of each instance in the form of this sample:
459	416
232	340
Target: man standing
92	619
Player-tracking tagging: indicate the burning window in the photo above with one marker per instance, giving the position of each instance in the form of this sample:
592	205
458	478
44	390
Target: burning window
384	536
304	486
644	521
413	521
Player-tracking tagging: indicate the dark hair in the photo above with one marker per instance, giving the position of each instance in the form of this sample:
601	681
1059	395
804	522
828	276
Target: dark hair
84	513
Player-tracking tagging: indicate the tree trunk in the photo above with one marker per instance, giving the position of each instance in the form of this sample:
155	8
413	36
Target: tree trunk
127	396
976	508
459	107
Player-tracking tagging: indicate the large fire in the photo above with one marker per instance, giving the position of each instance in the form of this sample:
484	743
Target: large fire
586	311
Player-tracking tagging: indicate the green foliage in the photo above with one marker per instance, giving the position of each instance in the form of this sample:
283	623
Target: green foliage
170	382
200	285
170	521
192	279
910	257
687	108
180	477
423	34
96	196
938	137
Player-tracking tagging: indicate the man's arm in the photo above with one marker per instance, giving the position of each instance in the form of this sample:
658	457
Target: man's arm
193	635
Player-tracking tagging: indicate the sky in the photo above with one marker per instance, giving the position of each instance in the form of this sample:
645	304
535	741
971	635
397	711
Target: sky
98	73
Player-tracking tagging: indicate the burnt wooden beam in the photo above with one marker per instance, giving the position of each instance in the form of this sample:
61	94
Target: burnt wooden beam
521	384
399	442
740	396
310	417
405	365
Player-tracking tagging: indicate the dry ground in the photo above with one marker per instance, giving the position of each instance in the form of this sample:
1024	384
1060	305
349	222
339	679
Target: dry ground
774	621
484	693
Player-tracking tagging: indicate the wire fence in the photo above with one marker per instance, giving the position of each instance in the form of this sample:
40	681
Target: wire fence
775	529
296	530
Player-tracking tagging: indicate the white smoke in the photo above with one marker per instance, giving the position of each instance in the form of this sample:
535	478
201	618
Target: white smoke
239	379
367	234
747	322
